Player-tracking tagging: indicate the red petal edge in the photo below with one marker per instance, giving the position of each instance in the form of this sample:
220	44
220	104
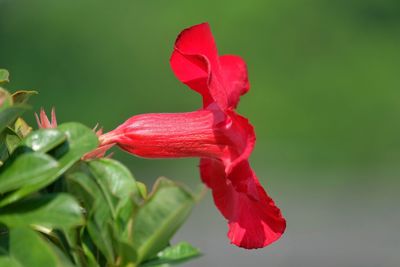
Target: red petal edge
194	55
234	73
196	63
253	219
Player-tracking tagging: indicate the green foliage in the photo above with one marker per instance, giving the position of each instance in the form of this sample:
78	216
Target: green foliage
159	217
27	173
59	210
9	114
44	140
4	76
22	96
28	248
174	255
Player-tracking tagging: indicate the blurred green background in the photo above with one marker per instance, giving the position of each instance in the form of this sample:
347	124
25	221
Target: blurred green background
324	99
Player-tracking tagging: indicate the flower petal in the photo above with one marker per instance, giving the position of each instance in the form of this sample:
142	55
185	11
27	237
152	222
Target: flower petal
254	220
240	133
234	72
194	57
196	63
193	71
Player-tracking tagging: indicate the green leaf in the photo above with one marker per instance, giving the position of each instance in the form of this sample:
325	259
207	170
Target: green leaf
109	194
22	128
5	99
127	254
179	253
27	169
10	114
142	189
174	255
22	96
85	189
91	260
99	215
28	249
12	140
44	140
160	217
4	76
60	211
28	173
116	183
81	140
32	172
7	261
3	149
121	194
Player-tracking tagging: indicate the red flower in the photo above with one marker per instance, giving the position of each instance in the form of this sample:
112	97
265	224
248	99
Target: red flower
216	133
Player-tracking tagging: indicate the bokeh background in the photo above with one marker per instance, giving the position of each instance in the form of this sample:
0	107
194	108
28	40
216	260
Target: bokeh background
325	102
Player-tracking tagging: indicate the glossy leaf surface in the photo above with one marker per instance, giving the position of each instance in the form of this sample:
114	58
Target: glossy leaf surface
159	218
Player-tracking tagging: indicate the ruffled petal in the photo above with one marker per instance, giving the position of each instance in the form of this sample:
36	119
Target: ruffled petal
194	57
193	71
196	63
240	133
254	220
234	72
